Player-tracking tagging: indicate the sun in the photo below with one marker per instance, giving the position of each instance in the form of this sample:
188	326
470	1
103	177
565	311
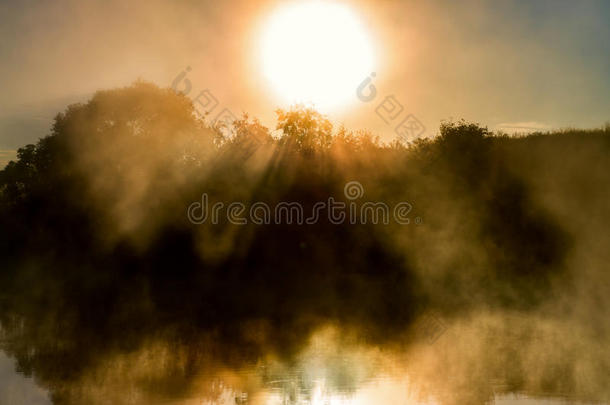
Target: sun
316	52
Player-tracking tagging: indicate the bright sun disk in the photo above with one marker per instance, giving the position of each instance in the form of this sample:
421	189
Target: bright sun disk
316	52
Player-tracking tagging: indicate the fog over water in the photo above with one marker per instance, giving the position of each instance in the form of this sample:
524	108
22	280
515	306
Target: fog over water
173	230
496	287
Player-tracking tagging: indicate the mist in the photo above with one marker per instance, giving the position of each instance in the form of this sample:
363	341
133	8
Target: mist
110	293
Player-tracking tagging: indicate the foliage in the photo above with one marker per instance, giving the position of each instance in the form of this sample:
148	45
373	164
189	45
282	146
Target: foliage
97	253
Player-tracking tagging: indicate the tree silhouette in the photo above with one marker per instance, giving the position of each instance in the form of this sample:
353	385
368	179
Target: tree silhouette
98	257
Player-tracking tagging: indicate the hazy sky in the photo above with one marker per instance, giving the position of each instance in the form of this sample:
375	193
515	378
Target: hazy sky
517	63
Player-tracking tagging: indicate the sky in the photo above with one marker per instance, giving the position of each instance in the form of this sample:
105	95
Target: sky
508	65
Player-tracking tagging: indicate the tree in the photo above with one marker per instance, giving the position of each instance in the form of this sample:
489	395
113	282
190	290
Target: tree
305	127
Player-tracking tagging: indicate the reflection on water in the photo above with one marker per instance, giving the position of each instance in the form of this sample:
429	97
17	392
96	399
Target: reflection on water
505	360
115	297
18	390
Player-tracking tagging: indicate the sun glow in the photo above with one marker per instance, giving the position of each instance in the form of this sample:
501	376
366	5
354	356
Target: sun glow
316	52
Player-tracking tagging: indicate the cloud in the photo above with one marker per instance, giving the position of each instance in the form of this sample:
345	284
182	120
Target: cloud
522	127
